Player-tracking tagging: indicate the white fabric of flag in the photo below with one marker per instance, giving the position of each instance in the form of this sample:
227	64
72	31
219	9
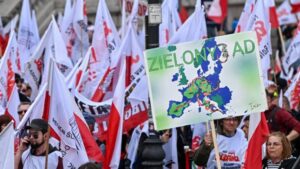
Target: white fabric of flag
9	97
75	32
115	125
26	35
170	21
53	45
248	9
259	23
194	28
105	44
7	137
284	12
292	54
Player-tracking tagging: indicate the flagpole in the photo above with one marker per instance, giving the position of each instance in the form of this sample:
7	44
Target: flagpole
216	148
281	40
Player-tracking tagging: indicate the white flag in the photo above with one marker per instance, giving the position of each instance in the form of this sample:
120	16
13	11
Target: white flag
170	21
7	137
9	97
26	37
192	29
284	12
53	45
292	54
259	22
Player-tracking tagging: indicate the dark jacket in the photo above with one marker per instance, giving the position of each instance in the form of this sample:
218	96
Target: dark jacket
285	164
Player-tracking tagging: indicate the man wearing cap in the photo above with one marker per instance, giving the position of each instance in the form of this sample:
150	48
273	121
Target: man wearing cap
32	151
279	119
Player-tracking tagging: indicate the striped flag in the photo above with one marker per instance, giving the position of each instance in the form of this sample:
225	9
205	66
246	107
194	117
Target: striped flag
115	125
218	11
258	132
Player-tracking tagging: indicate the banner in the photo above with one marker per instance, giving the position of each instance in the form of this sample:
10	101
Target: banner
204	80
133	114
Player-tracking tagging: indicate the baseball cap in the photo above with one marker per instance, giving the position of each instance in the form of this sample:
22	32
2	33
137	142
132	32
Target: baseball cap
38	124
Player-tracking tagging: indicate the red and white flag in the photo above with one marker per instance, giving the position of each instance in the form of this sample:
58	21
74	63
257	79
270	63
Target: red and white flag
259	22
292	54
293	92
115	125
7	137
295	6
56	105
247	11
51	44
26	34
170	21
106	43
272	14
74	31
199	131
193	29
218	11
9	97
285	15
258	132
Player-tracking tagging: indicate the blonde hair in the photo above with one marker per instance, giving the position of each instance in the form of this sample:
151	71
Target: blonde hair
286	145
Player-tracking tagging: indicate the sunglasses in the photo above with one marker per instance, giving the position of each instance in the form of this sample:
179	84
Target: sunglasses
22	111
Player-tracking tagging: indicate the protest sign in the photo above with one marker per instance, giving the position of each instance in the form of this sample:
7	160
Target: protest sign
204	80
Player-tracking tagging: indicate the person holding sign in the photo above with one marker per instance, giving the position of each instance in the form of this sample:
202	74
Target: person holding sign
231	142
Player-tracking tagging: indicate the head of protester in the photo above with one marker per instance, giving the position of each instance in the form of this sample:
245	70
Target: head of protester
279	152
22	109
4	121
34	147
231	142
280	119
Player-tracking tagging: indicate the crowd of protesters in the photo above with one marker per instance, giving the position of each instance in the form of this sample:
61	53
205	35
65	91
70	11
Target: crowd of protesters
282	147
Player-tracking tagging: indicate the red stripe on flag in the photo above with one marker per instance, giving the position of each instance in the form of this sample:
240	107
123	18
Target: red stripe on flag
273	17
114	121
220	19
92	149
254	151
46	107
295	8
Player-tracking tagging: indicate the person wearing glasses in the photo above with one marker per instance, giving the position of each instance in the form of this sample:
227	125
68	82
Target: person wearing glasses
279	152
231	142
22	109
279	119
33	148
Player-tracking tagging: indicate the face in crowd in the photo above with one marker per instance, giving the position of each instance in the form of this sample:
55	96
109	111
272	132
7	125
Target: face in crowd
278	147
37	138
22	109
230	125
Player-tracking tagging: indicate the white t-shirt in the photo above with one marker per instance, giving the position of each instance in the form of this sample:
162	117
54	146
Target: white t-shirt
30	161
231	150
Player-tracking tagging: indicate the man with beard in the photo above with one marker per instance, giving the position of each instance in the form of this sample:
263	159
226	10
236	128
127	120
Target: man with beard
33	148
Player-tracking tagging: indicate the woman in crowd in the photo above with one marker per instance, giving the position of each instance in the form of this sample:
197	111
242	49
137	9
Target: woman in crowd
279	152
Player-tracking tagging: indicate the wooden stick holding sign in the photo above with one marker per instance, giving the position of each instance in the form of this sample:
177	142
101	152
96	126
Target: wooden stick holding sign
216	148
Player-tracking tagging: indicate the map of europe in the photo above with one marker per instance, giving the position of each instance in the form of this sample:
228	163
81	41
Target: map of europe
205	89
